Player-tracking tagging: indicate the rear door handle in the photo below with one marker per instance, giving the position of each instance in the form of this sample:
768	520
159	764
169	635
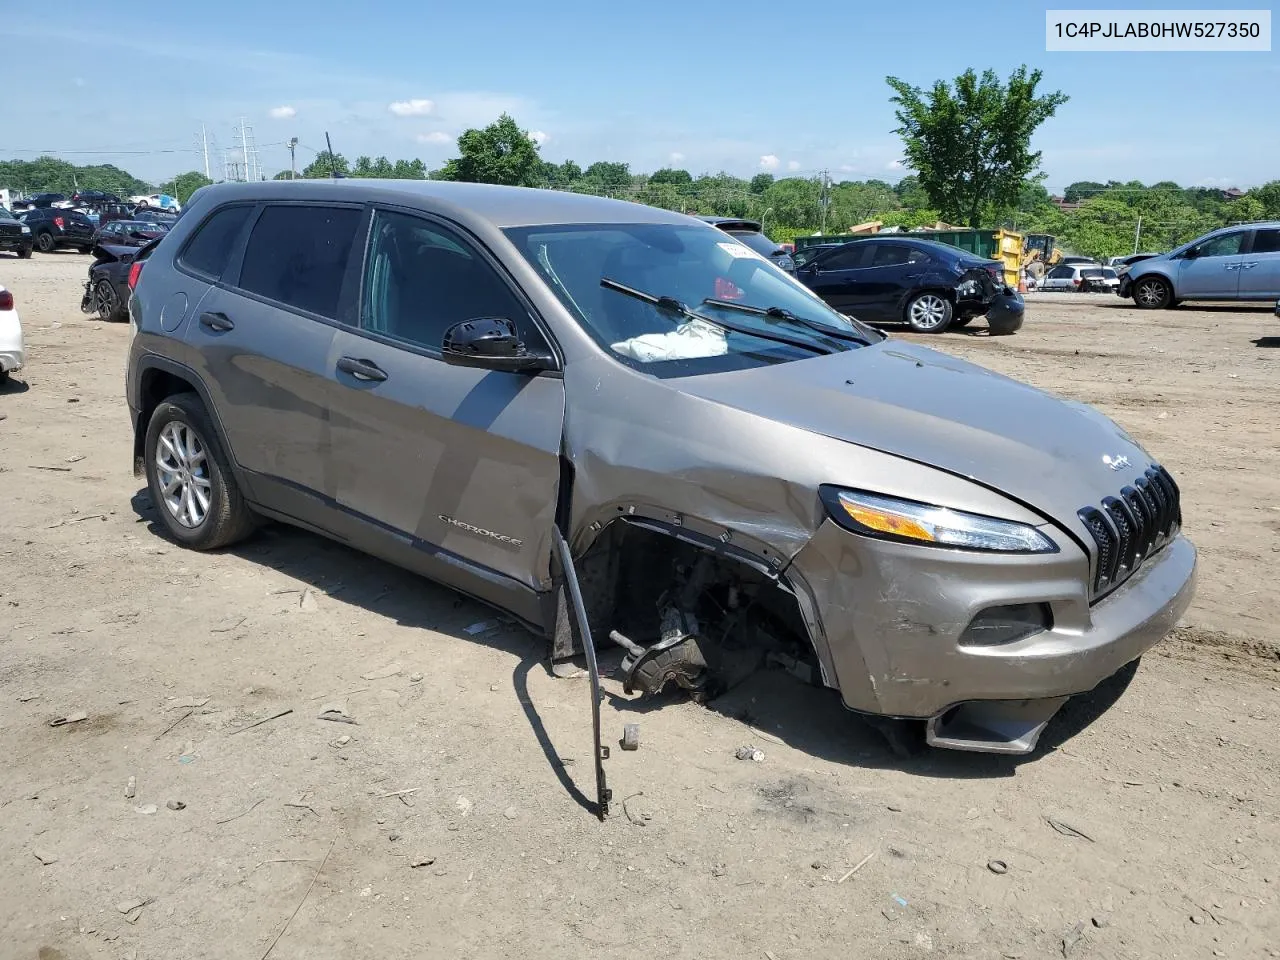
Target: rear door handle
217	321
1248	266
361	369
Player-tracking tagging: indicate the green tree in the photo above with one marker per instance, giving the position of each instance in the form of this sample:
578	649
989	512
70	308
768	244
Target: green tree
185	184
761	182
971	145
413	169
499	153
608	176
1082	190
671	176
1269	196
324	165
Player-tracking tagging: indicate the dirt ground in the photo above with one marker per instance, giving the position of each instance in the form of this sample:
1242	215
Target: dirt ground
449	820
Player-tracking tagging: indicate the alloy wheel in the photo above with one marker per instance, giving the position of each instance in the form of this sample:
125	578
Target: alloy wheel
928	312
1151	292
183	472
105	297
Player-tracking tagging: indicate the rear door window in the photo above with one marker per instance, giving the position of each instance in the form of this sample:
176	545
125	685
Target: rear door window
209	249
1266	241
297	256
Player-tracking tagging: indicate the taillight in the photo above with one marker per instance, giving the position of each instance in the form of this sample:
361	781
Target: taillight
59	222
1075	281
134	270
6	300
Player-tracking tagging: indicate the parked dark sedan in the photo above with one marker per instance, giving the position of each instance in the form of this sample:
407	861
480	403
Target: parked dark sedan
129	233
928	285
749	232
107	291
52	228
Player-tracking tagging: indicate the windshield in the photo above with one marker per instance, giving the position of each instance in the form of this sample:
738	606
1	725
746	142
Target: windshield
1091	272
5	214
690	264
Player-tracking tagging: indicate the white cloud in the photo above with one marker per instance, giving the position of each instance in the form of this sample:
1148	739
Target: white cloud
769	162
539	137
411	108
285	112
793	165
435	136
893	165
675	156
846	168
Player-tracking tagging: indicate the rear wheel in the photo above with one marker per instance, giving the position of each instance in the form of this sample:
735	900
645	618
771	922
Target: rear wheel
1152	293
928	312
45	242
190	478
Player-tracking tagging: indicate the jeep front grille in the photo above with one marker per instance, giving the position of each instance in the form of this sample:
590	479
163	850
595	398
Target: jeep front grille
1128	528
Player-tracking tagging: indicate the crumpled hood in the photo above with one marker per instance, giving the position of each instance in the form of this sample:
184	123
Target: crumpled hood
1051	454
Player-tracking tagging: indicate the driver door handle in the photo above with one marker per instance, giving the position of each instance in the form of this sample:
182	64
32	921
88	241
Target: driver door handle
218	322
1248	266
365	370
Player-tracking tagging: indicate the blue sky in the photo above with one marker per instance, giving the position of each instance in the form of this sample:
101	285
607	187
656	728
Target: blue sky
706	85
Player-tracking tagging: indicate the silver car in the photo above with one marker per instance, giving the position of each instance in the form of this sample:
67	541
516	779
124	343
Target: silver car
455	376
1234	263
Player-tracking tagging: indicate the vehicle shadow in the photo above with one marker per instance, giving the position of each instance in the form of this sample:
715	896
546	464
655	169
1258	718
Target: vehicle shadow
1242	306
350	576
1267	342
773	705
13	386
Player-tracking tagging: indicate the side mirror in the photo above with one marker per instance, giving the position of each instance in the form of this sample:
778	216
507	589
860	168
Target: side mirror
490	343
1191	253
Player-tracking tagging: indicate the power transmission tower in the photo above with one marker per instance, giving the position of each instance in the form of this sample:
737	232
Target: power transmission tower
248	151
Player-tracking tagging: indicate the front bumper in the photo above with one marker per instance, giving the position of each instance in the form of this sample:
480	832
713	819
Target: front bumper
890	618
23	242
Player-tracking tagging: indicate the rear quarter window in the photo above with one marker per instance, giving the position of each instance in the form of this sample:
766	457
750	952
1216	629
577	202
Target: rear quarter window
211	246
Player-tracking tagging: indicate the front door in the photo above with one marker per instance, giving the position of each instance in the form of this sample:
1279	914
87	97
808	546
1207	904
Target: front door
1260	267
832	275
458	464
1211	269
263	339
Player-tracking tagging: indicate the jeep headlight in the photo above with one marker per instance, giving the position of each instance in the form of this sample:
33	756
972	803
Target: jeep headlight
907	521
25	228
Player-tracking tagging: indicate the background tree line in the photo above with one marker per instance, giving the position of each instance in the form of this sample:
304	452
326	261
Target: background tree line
966	143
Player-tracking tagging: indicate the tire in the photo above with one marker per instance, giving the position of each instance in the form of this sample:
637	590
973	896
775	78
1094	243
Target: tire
24	253
928	312
107	301
181	435
1152	293
46	243
88	249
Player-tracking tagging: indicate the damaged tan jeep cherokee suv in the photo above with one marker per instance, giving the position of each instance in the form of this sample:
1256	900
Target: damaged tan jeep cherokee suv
446	375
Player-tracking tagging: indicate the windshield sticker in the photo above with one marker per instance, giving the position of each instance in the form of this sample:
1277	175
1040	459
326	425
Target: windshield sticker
738	251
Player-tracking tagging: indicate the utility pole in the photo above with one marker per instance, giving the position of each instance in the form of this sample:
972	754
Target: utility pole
293	166
204	140
1137	235
825	200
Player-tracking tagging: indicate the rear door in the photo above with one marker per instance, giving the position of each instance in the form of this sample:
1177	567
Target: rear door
263	335
885	278
1213	271
832	275
1260	267
458	464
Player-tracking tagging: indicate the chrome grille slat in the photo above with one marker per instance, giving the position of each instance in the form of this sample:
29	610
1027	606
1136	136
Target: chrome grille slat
1128	528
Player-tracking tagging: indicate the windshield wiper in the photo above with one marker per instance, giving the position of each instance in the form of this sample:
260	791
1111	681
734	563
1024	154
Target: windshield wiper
672	305
780	313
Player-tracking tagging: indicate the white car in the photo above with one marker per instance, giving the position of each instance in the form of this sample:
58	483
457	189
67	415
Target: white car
160	201
1080	278
11	346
